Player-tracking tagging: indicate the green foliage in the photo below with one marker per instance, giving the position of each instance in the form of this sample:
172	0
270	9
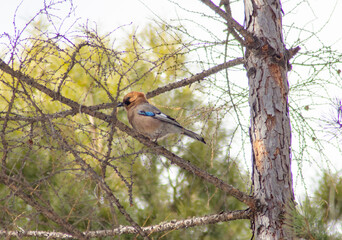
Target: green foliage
319	217
329	194
150	189
307	223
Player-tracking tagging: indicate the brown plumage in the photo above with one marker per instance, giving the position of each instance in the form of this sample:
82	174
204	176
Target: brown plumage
149	120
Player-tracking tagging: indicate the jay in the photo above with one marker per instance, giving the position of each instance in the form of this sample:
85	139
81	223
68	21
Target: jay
150	121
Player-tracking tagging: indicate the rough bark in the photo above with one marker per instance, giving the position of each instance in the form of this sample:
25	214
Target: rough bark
266	64
121	230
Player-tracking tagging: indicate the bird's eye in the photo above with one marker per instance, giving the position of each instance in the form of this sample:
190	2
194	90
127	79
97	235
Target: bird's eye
127	102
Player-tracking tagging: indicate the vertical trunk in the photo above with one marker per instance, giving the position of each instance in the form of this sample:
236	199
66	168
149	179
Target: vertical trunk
270	124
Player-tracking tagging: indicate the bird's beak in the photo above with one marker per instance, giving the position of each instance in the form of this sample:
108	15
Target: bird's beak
120	104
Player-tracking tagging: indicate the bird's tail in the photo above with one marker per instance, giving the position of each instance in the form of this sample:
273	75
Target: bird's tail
193	135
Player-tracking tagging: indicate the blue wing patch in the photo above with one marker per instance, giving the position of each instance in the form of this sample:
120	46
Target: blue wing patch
149	114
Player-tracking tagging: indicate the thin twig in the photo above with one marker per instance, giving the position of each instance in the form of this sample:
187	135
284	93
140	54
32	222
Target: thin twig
241	196
195	78
232	22
99	180
32	197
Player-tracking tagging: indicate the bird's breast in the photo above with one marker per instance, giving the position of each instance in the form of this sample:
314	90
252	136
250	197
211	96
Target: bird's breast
145	124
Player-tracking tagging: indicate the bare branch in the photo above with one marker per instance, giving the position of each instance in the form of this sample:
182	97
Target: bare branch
17	117
71	65
188	166
31	197
226	4
162	227
195	78
241	196
103	185
292	52
182	83
232	22
4	126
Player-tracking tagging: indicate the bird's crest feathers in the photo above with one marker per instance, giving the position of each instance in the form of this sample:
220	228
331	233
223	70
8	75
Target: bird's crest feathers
133	99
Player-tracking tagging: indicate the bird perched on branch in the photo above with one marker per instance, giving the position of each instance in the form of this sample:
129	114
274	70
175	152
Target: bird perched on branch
149	120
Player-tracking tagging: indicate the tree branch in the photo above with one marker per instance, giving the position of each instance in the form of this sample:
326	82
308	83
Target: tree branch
17	117
292	52
227	7
241	196
231	21
162	227
103	185
195	78
188	166
55	95
32	198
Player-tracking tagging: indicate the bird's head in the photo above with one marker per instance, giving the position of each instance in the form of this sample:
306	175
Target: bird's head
132	99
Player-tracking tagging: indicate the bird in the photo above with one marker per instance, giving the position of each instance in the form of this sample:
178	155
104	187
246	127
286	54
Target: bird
150	121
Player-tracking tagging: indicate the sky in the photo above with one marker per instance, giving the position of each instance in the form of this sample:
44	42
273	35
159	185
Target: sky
112	13
319	16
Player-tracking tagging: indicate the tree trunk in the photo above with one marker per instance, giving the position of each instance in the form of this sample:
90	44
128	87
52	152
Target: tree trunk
270	123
